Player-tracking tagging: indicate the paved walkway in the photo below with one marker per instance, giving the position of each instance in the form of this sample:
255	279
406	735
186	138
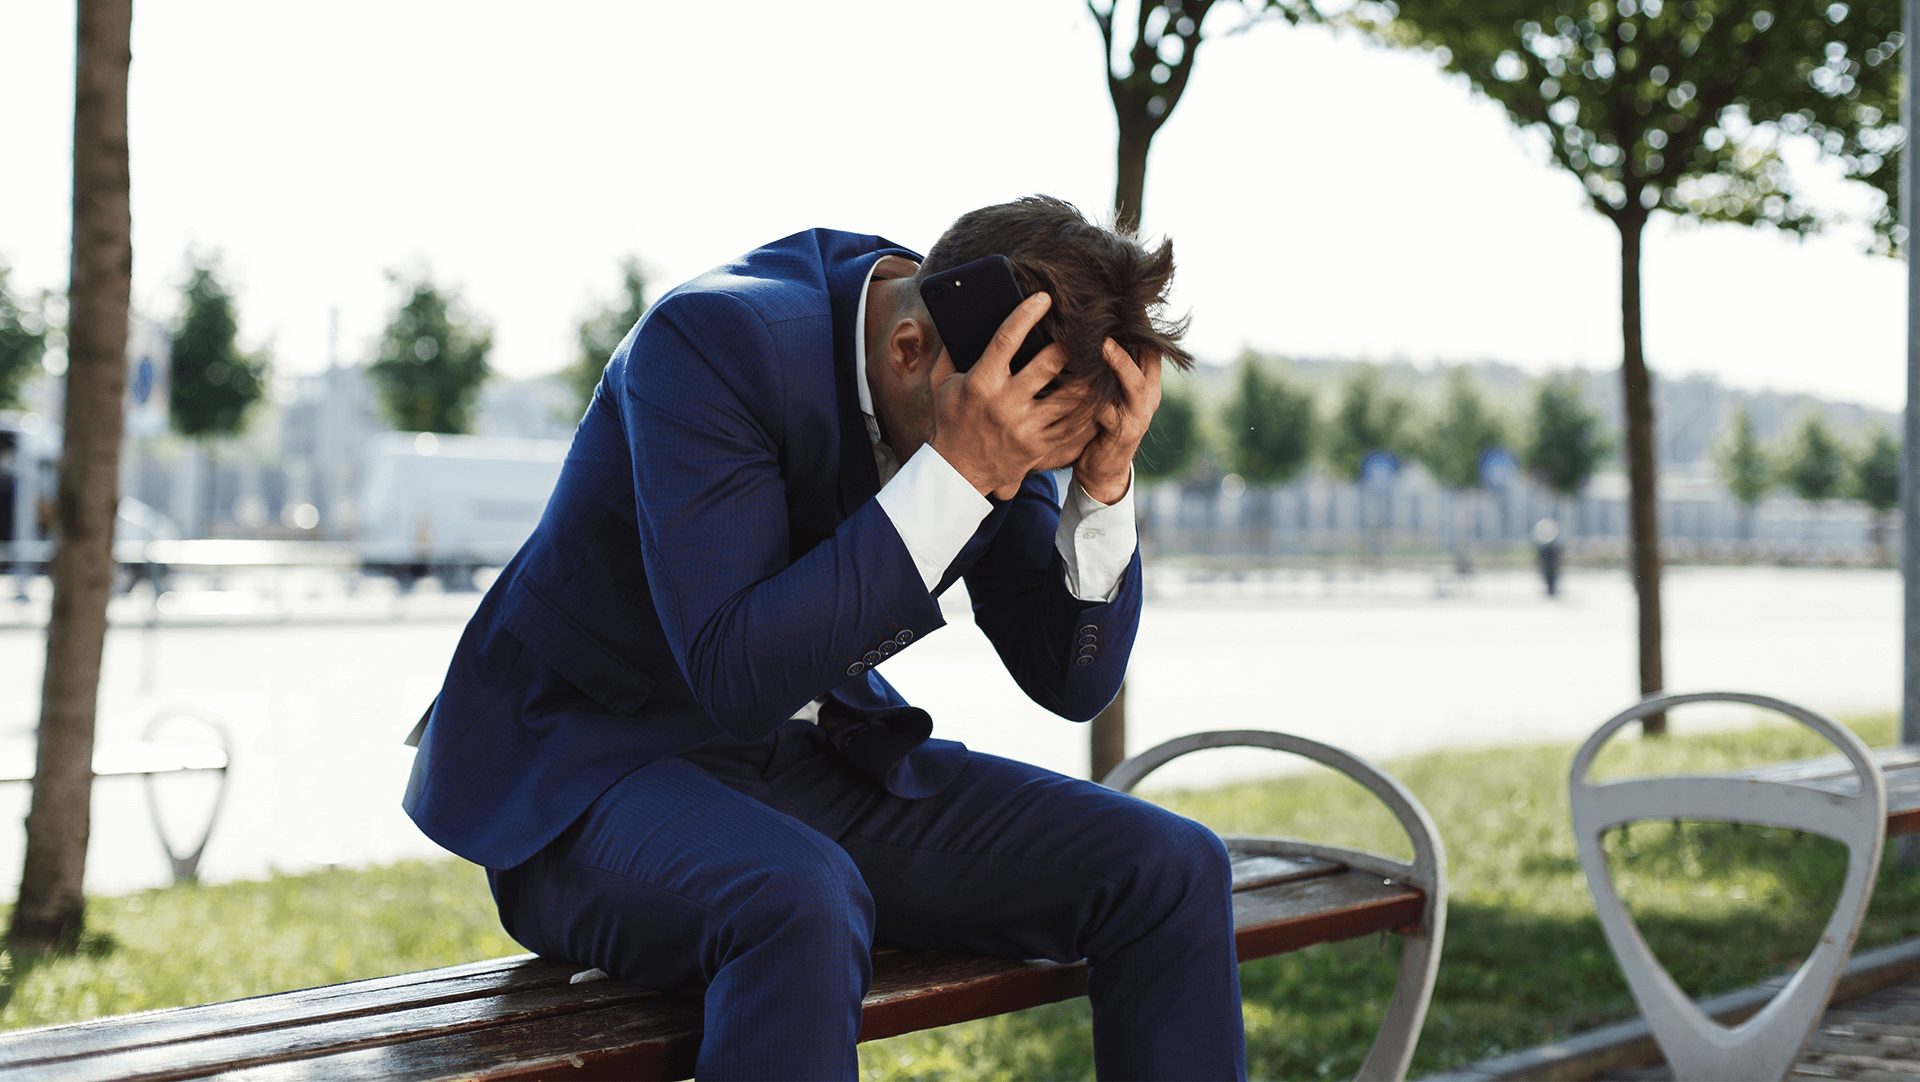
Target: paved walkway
1873	1037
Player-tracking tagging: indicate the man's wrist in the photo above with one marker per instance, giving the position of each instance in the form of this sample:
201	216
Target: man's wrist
1105	491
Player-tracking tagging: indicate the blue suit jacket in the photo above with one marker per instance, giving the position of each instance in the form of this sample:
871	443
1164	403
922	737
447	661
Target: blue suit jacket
712	559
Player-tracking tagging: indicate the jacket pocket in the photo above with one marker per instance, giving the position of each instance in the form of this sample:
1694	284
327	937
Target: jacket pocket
574	652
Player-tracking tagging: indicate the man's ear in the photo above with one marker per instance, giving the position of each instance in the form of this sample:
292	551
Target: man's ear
912	349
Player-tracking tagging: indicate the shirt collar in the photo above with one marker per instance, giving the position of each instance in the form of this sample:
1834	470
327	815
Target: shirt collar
860	346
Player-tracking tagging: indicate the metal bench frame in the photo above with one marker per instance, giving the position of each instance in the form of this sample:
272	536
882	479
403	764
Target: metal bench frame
147	757
1392	1050
1767	1044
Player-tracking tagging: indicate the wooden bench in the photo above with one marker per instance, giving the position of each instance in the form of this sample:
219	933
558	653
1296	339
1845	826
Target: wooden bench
526	1018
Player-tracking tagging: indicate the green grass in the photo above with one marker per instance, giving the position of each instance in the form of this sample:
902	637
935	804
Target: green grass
198	944
1525	961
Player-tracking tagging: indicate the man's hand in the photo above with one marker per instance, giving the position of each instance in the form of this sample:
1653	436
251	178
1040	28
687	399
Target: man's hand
1104	467
989	426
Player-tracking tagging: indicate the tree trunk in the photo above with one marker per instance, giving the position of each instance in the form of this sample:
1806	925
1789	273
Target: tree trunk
1109	736
1641	473
1108	733
1129	189
49	913
212	487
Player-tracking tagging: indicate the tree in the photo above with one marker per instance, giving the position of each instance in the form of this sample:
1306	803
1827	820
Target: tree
1465	429
214	383
1876	483
1147	76
51	910
23	340
601	333
1566	443
1452	446
1172	440
1744	468
1369	418
1814	465
432	361
1677	105
1145	85
1270	424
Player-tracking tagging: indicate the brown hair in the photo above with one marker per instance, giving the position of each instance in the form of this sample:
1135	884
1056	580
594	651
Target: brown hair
1104	282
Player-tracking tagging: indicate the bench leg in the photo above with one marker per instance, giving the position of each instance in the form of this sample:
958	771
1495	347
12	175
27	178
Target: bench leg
1393	1049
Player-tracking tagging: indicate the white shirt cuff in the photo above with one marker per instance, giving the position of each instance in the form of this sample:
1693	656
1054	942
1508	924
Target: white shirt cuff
1096	540
934	510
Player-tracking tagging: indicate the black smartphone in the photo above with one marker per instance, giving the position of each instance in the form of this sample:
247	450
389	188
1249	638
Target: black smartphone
970	302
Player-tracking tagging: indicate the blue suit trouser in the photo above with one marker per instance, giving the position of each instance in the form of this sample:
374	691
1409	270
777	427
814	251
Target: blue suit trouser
766	872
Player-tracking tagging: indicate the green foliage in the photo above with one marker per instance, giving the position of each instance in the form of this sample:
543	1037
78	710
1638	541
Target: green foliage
1566	443
1680	105
432	361
1525	960
601	333
1369	418
23	341
1876	473
1173	439
1465	428
214	383
198	944
1815	465
1271	425
1743	464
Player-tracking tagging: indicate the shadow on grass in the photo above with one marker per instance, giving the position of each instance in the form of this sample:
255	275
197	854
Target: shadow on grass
17	966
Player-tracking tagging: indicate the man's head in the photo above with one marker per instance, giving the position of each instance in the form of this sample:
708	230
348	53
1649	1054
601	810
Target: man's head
1103	284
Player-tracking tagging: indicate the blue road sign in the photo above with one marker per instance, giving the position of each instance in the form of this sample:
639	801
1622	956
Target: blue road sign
1497	469
1379	468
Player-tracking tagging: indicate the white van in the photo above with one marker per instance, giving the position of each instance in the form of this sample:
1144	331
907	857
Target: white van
442	505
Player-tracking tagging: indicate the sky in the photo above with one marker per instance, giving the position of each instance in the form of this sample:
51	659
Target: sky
1326	197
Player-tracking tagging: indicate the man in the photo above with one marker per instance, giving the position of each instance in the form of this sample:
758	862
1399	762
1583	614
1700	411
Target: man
663	732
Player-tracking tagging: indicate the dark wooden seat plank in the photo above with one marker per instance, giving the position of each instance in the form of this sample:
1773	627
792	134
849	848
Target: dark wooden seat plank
1325	909
612	1044
211	1055
282	1010
520	1018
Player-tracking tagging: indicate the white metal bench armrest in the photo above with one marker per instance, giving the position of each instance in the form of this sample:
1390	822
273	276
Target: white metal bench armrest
1392	1050
1766	1045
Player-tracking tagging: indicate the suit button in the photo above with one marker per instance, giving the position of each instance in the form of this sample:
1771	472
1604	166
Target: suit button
1083	660
1089	650
1089	640
872	657
887	647
905	636
1089	629
856	668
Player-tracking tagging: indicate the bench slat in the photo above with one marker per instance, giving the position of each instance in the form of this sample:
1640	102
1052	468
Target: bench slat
281	1010
210	1055
519	1018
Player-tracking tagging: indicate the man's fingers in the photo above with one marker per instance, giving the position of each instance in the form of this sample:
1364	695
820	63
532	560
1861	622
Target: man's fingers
998	358
1040	371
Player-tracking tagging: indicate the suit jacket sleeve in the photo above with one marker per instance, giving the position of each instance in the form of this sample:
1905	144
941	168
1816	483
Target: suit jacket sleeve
1068	655
757	629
